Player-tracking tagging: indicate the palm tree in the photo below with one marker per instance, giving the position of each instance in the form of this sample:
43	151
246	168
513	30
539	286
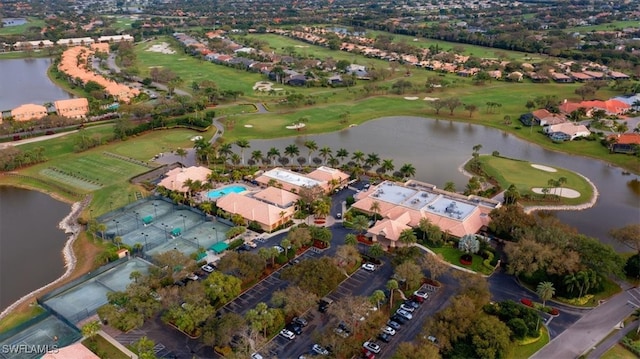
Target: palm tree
387	166
182	153
571	281
358	157
407	237
272	154
392	285
291	151
375	208
342	154
561	182
350	239
360	223
311	146
91	329
242	143
407	170
424	225
135	275
545	291
325	152
286	244
256	156
225	151
377	297
372	159
450	186
376	250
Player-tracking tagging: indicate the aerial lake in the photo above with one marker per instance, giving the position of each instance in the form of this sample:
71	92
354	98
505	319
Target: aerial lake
437	148
26	81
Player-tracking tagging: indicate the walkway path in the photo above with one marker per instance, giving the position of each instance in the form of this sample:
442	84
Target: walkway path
592	328
608	343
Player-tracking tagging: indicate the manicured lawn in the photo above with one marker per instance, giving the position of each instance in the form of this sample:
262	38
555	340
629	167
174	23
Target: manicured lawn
618	352
452	255
525	351
18	317
525	177
21	29
610	26
113	173
103	348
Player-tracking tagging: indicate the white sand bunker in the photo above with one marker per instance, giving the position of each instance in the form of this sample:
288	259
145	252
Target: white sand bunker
296	126
562	192
544	168
196	138
162	48
248	126
263	86
411	98
301	46
431	98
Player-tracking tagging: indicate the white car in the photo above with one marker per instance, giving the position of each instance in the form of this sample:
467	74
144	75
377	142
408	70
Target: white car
421	294
252	244
256	356
389	330
280	249
372	347
207	268
319	350
287	334
407	308
404	314
192	276
369	267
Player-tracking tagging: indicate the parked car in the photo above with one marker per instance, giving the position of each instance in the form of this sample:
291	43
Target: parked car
384	337
372	347
207	268
295	328
412	303
251	244
338	215
342	330
301	321
279	248
287	334
407	308
415	298
319	350
256	356
421	294
324	304
192	276
369	267
404	313
394	325
432	339
399	319
389	330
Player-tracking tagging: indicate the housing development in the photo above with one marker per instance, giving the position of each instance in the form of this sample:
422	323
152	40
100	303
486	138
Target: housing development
306	179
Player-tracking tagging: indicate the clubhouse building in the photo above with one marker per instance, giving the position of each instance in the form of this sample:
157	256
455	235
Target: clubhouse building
326	178
402	206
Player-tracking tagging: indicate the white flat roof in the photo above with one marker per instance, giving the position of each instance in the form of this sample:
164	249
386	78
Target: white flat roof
292	178
436	203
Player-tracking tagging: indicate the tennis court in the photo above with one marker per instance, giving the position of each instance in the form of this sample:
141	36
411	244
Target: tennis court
82	300
36	339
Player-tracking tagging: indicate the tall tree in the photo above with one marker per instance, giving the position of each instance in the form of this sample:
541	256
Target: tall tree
325	152
272	154
243	144
291	151
545	291
392	285
311	146
407	237
628	235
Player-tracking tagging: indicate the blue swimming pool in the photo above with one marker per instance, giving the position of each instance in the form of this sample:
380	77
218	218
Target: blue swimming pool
217	193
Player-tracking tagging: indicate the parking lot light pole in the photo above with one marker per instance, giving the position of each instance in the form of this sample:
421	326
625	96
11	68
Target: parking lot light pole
117	229
155	209
184	226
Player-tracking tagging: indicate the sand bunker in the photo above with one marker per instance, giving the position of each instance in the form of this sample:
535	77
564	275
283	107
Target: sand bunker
544	168
562	192
431	98
411	98
162	48
296	126
196	138
263	86
248	126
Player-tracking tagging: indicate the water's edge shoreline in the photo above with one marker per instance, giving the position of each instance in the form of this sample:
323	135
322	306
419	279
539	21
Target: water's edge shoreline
69	224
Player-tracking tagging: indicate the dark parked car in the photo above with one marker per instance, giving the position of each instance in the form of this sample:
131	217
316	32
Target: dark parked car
412	303
399	319
295	328
393	324
300	321
384	337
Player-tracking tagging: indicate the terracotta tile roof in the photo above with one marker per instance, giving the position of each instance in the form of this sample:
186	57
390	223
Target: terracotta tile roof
174	180
626	138
73	108
277	196
28	112
75	351
253	210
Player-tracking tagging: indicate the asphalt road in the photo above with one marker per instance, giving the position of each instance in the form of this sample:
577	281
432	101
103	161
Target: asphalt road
592	328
